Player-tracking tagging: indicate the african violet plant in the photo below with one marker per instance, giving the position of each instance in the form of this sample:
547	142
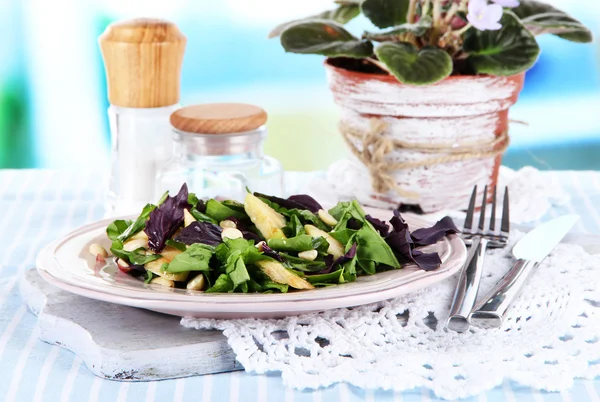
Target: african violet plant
425	41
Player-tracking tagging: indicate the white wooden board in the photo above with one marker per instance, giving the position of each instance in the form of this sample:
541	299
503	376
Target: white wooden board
124	343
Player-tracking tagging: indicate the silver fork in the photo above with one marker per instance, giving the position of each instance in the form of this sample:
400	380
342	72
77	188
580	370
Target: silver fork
479	240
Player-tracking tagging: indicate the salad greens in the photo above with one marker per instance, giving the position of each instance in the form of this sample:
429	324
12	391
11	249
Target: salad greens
268	244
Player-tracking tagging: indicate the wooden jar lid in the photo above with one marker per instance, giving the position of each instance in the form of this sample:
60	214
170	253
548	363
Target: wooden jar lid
219	118
143	58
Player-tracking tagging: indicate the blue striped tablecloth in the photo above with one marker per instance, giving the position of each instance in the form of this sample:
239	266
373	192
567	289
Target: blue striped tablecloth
37	206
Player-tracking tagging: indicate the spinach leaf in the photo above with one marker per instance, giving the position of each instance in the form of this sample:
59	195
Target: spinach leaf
350	270
294	227
372	247
266	286
299	264
199	216
332	277
195	258
222	284
116	228
297	244
135	257
220	212
193	200
306	217
236	206
367	266
236	269
139	224
343	236
149	276
163	198
176	244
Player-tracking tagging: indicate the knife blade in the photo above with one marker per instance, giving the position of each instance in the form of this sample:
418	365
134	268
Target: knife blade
532	249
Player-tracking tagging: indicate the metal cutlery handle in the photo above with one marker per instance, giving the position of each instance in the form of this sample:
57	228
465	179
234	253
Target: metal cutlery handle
491	309
467	287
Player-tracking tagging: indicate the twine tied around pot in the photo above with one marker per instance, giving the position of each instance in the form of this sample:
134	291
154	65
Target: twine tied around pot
375	146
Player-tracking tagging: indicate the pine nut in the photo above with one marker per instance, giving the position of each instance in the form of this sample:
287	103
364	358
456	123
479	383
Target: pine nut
231	233
309	255
97	250
197	283
228	224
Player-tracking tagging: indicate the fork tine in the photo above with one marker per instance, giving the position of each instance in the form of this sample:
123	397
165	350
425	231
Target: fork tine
493	217
469	218
482	213
505	227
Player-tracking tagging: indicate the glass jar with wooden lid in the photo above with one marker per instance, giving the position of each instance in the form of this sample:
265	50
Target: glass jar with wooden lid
218	152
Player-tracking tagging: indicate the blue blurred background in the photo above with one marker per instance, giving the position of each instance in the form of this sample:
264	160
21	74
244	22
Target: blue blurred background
53	91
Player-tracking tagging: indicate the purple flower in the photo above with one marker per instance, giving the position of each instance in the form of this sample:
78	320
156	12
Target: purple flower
484	16
507	3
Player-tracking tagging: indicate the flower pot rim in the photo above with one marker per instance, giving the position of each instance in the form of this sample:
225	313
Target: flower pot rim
390	78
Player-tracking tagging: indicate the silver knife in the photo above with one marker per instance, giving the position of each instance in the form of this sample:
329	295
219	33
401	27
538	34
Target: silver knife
532	249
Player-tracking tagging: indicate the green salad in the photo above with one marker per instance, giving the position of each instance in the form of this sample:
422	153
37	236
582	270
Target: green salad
266	245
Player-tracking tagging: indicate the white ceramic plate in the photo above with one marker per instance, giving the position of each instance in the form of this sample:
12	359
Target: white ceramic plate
67	264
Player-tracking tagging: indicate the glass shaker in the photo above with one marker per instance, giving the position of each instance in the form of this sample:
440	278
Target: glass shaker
142	59
218	152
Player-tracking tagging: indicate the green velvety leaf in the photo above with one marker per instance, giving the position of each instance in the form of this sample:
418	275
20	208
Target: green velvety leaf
135	257
332	277
413	66
385	13
296	244
372	247
342	15
508	51
236	269
395	34
116	228
139	224
294	227
541	18
149	276
220	212
195	258
300	264
176	244
326	38
223	284
199	216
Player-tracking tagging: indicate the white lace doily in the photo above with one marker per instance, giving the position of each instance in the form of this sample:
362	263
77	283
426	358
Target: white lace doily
550	337
532	193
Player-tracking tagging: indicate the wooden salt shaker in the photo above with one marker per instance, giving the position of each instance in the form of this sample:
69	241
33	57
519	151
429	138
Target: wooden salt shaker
142	59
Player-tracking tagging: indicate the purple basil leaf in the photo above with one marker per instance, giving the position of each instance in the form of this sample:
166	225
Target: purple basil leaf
379	225
432	235
268	251
166	219
200	232
307	202
397	222
300	201
331	263
401	243
426	261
